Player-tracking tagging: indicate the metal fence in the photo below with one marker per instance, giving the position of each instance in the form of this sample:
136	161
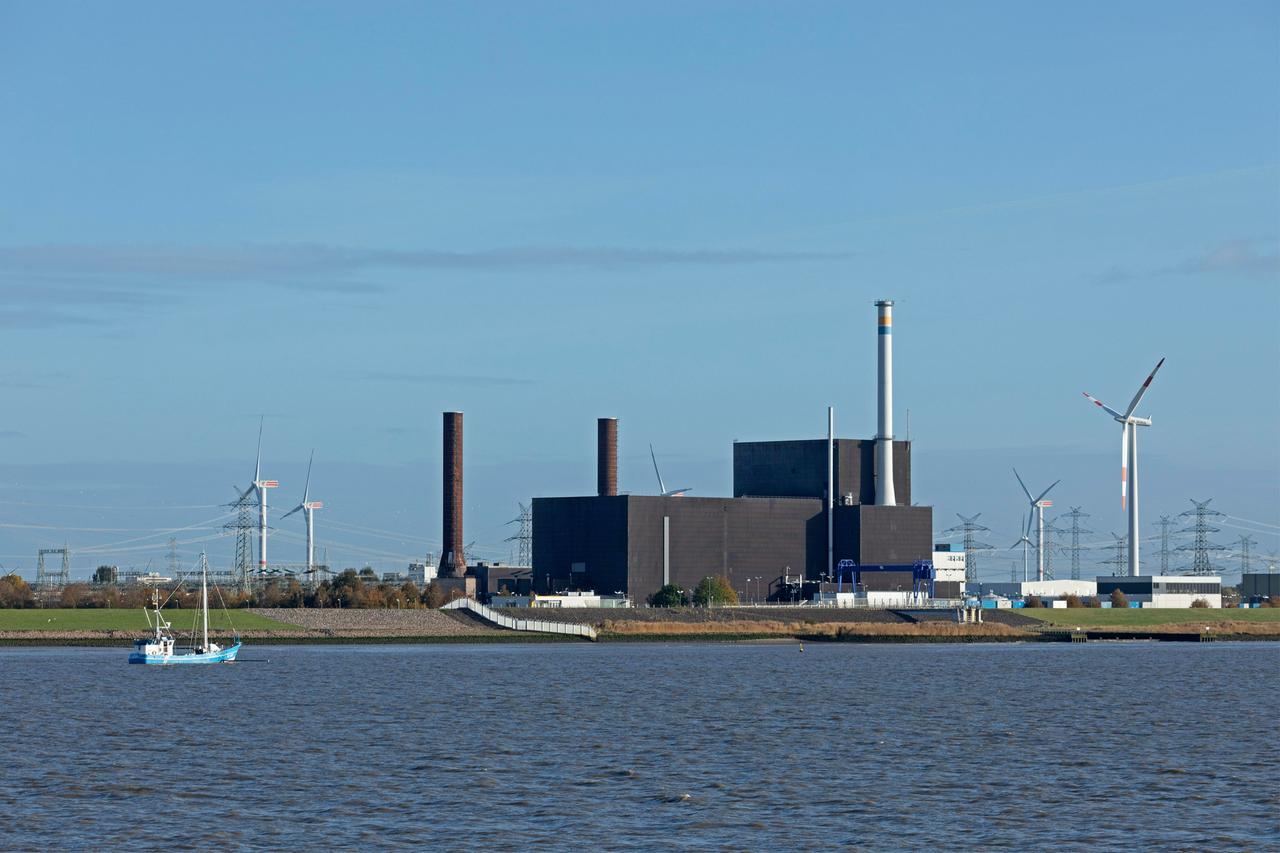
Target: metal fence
504	621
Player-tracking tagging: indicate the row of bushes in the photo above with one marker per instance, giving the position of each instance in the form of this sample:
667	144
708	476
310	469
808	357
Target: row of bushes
709	591
1118	600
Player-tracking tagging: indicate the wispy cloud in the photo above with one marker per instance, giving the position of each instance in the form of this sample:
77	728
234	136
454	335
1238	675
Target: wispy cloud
1244	258
444	379
12	433
276	261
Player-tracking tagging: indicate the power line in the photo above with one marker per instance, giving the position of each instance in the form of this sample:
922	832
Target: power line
1246	562
1075	515
524	536
970	527
1200	529
1120	560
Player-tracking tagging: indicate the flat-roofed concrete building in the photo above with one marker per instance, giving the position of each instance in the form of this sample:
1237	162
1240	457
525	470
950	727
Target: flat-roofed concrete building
1164	590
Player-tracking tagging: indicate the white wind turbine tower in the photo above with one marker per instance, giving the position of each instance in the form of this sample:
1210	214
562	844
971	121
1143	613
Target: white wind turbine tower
308	508
260	486
1025	543
1129	461
1037	511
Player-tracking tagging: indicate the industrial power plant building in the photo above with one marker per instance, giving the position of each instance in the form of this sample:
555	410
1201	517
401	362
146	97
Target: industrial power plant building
798	509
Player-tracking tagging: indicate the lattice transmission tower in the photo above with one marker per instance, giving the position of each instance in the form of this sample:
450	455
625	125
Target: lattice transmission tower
1246	560
524	536
1120	560
970	528
1165	523
1200	529
1047	545
245	526
46	579
1075	515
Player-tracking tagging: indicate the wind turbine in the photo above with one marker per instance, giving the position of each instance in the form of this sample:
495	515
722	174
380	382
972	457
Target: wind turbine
1129	461
308	508
1037	511
260	486
1025	543
662	487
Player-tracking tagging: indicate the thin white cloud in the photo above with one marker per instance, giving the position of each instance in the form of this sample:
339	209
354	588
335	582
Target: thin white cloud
1243	258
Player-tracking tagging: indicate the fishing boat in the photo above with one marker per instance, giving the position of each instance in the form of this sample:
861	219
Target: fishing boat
162	649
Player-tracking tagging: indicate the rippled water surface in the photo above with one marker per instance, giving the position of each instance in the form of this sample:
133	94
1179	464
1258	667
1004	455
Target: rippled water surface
643	747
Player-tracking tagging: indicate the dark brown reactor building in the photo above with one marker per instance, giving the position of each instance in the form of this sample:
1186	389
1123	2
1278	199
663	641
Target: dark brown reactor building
774	527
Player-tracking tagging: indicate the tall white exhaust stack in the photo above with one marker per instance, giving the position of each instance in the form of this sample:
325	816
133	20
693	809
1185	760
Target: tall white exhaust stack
884	438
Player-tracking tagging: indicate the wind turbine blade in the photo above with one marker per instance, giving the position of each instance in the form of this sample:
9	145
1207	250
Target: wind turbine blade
257	468
292	511
1137	398
306	490
662	489
1046	491
1124	464
1024	485
1104	407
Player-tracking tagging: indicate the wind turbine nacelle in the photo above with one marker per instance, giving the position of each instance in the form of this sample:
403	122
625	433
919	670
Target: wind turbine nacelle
315	505
1140	421
269	484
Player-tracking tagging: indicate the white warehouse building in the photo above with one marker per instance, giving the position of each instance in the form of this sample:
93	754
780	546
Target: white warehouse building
1042	589
1164	590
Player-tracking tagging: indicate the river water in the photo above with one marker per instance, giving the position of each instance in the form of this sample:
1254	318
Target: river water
647	746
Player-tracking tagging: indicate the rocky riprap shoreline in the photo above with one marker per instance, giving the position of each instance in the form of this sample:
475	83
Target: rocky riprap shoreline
347	622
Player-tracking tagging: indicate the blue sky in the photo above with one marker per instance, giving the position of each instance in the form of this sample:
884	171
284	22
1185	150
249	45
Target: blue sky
677	214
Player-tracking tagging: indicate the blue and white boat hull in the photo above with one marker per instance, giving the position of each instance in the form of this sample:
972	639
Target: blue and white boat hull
221	656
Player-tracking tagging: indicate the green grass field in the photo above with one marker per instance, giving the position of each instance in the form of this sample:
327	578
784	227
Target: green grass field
1089	617
83	619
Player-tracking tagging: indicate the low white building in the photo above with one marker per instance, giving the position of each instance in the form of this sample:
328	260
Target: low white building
948	574
563	599
421	573
1043	589
1164	590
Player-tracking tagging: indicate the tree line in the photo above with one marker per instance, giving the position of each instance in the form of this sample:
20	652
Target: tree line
360	589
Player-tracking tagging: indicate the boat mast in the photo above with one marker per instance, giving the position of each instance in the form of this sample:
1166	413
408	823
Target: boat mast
204	597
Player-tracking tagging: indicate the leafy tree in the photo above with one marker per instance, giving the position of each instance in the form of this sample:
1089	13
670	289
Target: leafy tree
1033	601
668	596
1073	600
15	592
433	595
75	595
714	590
1119	599
1200	604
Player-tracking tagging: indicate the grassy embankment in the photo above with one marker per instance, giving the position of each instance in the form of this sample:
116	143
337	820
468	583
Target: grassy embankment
92	619
1261	621
764	629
